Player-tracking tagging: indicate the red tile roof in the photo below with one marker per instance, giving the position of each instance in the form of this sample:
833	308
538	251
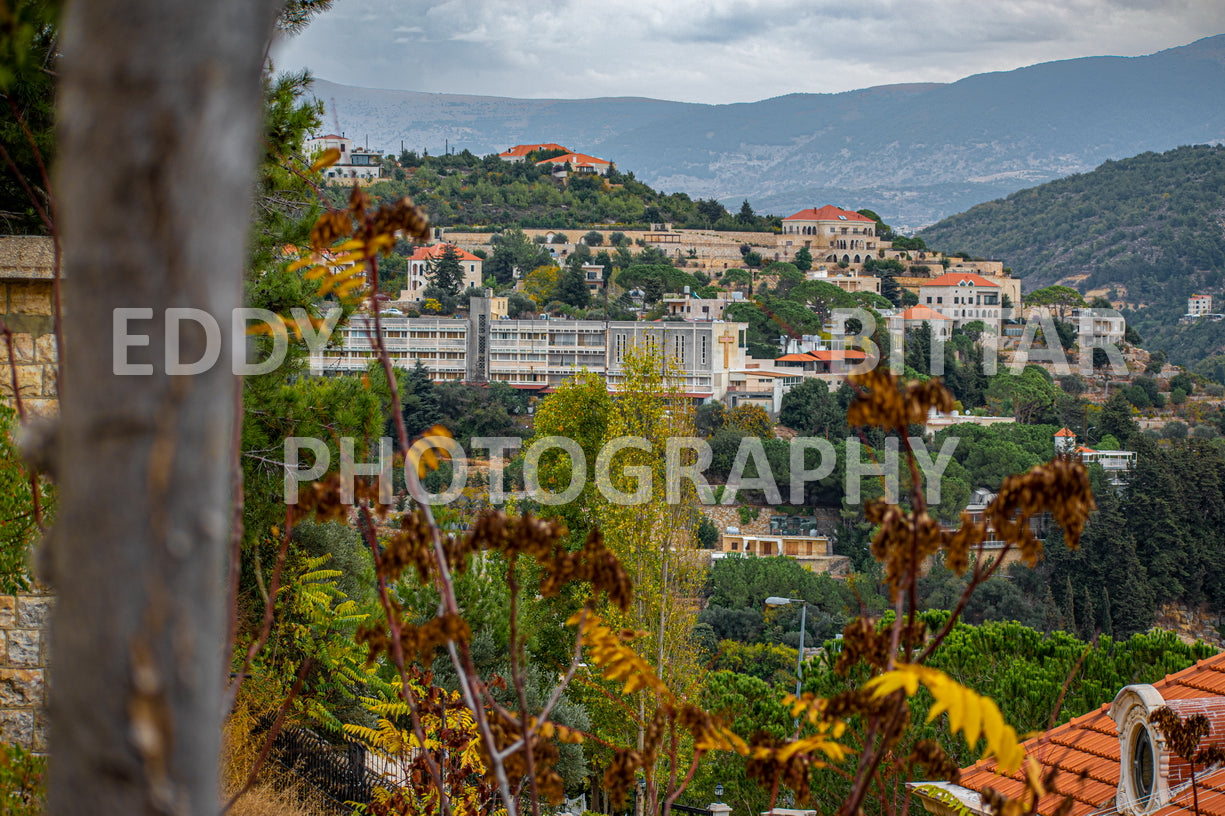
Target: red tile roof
1065	432
794	358
522	150
828	213
429	253
1086	752
957	278
574	158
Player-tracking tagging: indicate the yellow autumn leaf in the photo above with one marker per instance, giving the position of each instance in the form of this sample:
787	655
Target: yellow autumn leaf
968	712
326	159
423	454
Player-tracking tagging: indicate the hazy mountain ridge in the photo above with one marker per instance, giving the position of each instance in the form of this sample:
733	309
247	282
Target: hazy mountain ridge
915	153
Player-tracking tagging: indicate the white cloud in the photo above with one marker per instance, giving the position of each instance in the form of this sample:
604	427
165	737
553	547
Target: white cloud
720	50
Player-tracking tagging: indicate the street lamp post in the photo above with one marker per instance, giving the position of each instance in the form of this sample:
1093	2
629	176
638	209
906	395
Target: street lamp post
799	658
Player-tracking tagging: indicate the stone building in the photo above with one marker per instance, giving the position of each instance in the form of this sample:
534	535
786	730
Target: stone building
27	266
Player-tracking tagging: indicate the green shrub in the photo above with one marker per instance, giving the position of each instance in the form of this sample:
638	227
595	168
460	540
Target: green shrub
22	786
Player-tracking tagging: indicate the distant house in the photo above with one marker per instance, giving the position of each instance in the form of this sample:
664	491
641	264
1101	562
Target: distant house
419	266
1199	305
831	234
355	162
684	305
593	274
579	163
1117	464
1096	330
848	282
964	297
813	552
519	153
822	361
916	316
763	387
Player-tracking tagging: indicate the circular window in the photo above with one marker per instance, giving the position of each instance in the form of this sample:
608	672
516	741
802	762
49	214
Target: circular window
1142	764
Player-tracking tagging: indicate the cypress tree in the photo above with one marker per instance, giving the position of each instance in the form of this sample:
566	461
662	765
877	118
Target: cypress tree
1069	608
1088	618
446	272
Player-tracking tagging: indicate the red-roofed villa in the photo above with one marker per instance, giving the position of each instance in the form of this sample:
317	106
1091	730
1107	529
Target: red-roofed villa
831	234
419	266
579	163
519	153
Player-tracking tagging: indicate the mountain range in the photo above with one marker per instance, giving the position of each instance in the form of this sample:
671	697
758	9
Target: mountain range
913	153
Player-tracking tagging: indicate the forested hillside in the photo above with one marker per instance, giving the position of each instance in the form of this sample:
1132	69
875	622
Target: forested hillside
1148	227
464	189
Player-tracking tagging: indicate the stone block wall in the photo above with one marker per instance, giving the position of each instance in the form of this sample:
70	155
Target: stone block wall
26	271
25	621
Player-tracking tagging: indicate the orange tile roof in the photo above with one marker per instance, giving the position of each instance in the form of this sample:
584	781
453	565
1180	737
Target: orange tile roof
429	253
523	150
826	355
923	313
574	158
1086	752
1065	432
794	358
956	279
828	213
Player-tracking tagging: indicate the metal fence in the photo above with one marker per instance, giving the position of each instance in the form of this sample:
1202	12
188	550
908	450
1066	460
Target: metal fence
340	772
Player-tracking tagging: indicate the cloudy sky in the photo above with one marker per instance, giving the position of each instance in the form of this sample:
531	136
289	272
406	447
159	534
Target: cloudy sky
719	50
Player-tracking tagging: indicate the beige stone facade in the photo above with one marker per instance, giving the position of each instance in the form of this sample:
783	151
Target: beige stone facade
26	307
25	621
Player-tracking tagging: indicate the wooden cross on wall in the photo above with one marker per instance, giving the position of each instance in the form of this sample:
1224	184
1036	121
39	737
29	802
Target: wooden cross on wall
727	340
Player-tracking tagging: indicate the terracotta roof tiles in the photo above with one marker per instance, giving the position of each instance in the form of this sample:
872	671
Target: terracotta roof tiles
1085	751
957	278
828	213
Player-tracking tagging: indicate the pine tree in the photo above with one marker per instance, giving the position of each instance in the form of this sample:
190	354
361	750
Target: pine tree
803	259
446	272
573	288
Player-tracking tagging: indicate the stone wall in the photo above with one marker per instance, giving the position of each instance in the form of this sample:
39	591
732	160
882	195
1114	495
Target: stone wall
26	271
25	621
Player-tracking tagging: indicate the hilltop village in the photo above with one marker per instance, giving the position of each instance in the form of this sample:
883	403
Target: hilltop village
454	498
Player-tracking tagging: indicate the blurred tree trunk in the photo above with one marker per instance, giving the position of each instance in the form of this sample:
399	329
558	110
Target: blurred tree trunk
159	123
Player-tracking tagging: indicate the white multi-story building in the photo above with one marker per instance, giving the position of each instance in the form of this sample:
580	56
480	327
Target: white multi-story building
1199	305
1097	327
354	163
488	347
964	297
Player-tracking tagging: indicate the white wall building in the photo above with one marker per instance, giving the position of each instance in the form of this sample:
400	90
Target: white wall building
354	163
485	347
